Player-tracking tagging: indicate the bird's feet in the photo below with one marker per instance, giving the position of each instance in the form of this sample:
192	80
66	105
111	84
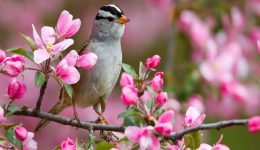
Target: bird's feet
101	119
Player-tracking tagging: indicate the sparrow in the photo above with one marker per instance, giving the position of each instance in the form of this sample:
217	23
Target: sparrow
95	85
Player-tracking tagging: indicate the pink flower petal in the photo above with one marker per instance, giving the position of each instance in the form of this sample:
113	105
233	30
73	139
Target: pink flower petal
48	35
71	57
74	28
40	55
61	46
133	133
37	38
68	74
64	22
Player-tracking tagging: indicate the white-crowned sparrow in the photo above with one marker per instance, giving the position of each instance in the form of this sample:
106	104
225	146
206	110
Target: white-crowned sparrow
96	84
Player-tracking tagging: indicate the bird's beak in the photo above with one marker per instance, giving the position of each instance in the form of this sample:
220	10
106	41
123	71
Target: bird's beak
123	19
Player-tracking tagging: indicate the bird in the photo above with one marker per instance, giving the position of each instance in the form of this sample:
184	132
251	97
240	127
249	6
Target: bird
95	85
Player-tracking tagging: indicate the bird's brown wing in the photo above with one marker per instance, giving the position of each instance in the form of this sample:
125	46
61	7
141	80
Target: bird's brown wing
84	46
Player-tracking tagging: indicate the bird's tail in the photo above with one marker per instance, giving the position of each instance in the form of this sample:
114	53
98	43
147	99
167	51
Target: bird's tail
56	109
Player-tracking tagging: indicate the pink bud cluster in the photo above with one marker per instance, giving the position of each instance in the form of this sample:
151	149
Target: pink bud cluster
26	137
68	144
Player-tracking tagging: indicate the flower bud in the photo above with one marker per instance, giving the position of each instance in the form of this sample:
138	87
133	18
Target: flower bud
164	125
2	55
193	117
14	65
21	133
153	62
254	124
157	81
129	95
68	145
87	60
16	89
126	79
161	98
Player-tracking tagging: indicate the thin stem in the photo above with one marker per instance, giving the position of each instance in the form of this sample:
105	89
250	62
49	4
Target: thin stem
34	69
40	98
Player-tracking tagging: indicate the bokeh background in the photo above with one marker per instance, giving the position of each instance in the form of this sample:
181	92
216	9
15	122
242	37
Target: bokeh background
202	43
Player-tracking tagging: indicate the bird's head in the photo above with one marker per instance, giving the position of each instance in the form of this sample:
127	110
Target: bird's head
110	22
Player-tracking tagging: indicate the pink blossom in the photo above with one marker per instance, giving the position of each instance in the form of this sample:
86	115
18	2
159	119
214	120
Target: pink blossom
68	74
129	95
47	44
13	65
66	27
196	101
254	124
2	55
193	117
153	62
29	143
21	133
68	145
157	81
161	98
220	147
16	89
87	60
71	58
126	79
143	136
236	90
2	115
164	125
204	146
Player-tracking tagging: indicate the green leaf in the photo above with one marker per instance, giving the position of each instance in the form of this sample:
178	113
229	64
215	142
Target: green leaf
130	112
133	121
40	78
130	70
21	51
10	135
142	70
193	140
69	90
28	41
11	109
103	145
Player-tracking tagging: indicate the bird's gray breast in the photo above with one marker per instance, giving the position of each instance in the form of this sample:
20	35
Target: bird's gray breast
100	80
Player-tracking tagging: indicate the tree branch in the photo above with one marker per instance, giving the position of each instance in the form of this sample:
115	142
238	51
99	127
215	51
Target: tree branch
95	126
40	98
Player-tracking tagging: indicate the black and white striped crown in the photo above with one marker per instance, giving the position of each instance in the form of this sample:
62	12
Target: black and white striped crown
109	10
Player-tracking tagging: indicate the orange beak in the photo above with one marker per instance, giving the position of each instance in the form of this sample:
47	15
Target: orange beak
123	19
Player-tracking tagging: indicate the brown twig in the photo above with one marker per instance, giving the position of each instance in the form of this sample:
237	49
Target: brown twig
107	127
40	98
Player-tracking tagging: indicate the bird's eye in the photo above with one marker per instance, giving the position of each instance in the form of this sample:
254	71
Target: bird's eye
110	19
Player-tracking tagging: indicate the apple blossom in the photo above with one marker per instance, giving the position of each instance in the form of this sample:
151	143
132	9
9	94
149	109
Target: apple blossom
66	27
173	147
16	89
47	44
164	125
68	145
68	74
71	58
157	81
161	98
143	136
254	124
153	62
2	55
87	60
193	117
13	65
21	133
126	79
29	143
129	95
